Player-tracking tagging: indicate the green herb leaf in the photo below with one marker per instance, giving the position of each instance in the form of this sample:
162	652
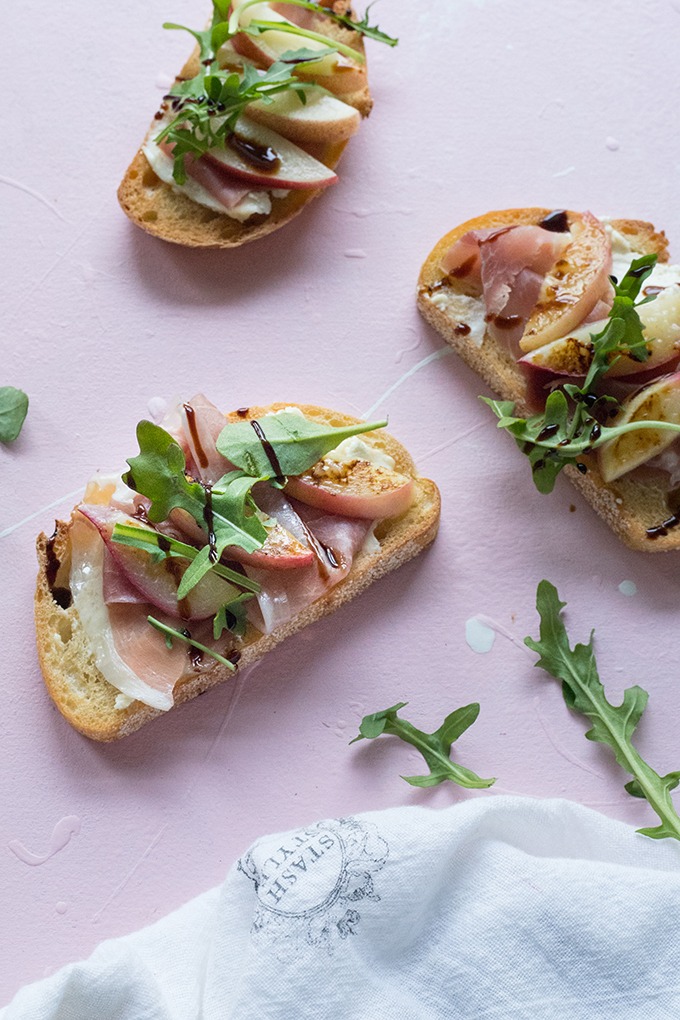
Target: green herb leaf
172	634
13	410
611	725
434	747
297	443
232	616
226	510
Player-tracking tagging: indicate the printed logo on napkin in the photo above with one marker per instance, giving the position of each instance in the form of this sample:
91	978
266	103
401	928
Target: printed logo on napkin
308	885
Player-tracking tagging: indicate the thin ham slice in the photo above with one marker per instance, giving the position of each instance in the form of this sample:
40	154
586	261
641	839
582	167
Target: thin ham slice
202	423
508	267
227	189
130	654
337	540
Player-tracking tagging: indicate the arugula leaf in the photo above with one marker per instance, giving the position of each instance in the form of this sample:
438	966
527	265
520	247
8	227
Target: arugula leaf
566	430
172	634
434	747
232	616
226	511
258	26
611	725
208	106
13	410
284	443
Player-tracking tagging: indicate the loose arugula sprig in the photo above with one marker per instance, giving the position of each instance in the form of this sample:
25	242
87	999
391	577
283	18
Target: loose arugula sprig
177	635
573	422
612	725
13	411
434	747
207	107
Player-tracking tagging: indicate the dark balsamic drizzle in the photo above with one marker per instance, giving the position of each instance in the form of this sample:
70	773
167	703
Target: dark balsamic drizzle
191	422
262	157
660	530
242	412
464	269
461	329
556	222
268	449
209	519
195	654
504	321
62	596
547	432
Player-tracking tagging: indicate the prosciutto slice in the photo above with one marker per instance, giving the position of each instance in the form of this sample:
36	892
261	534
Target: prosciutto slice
507	266
336	541
224	187
130	654
202	423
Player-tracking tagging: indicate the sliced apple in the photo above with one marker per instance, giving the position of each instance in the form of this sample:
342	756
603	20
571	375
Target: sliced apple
659	402
337	72
572	288
353	489
322	118
571	355
262	157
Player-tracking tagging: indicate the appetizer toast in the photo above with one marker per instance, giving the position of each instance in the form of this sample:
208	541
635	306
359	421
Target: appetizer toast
533	300
254	126
356	510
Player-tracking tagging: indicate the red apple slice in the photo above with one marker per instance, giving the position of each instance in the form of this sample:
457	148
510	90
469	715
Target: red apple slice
337	72
158	582
262	157
572	288
323	118
659	402
356	489
281	550
571	355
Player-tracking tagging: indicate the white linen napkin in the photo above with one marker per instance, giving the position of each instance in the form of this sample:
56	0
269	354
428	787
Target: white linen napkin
497	908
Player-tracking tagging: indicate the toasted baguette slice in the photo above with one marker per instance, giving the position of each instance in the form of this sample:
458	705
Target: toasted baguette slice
87	700
629	505
160	210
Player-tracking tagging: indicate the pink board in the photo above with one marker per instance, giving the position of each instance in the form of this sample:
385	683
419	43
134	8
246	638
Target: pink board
483	105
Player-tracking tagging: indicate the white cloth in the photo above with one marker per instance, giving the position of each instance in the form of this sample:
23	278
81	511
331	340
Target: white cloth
498	908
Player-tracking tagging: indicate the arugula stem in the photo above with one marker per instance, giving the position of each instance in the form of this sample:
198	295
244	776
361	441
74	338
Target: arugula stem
172	633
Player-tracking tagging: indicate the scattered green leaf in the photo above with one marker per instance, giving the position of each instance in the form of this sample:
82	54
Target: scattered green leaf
13	410
434	747
232	617
611	725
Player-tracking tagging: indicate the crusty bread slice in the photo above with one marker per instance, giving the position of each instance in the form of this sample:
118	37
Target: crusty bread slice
629	505
160	210
87	700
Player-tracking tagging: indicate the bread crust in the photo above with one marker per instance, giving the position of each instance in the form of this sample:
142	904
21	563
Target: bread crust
87	700
628	505
159	210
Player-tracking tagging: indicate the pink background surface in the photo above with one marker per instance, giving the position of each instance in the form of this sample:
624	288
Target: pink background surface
483	105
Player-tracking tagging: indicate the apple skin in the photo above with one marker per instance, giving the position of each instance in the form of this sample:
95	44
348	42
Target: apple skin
658	402
366	492
296	170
